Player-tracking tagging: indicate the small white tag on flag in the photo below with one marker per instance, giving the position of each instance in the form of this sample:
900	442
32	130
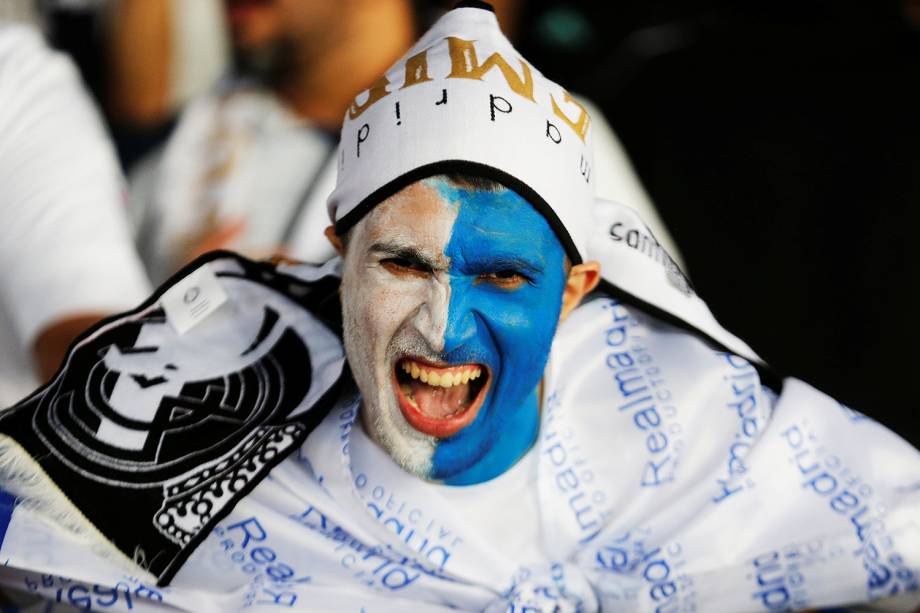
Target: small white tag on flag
191	300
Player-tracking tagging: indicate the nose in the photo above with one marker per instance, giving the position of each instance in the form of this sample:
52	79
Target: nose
461	320
430	319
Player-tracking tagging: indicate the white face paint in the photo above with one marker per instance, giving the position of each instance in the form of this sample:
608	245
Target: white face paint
390	313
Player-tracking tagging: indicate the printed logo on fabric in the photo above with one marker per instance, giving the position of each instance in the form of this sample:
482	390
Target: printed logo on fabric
644	242
850	497
643	393
274	581
745	403
138	406
91	597
429	542
573	477
190	301
375	566
560	587
780	576
418	528
190	420
464	64
666	587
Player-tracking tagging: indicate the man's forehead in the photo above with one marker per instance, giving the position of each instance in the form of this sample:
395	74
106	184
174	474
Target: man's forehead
418	209
439	197
428	214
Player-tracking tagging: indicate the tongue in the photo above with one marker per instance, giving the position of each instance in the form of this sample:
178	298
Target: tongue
440	402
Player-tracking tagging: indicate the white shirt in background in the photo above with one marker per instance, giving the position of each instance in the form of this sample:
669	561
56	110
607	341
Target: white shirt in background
65	245
237	154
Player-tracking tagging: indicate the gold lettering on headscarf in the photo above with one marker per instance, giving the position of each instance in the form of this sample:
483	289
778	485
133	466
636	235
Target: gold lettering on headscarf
579	126
416	70
465	65
377	91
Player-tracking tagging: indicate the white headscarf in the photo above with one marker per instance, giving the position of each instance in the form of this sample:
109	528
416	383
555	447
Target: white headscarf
462	99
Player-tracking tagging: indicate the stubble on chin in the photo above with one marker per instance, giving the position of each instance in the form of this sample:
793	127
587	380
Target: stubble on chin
380	415
385	319
410	449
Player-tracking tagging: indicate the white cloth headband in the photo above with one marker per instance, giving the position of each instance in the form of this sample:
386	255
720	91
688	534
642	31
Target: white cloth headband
463	100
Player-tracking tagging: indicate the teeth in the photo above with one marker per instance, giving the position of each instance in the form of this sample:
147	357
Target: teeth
440	379
407	392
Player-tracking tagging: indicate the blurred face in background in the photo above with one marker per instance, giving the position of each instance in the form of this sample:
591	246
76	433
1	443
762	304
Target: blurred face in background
267	33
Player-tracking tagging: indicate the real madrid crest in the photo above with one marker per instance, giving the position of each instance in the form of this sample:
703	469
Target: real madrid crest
154	433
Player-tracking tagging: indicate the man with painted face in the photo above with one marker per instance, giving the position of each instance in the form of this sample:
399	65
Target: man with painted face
504	396
452	291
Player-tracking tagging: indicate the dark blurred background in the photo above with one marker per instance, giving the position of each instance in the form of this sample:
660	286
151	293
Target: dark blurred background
779	142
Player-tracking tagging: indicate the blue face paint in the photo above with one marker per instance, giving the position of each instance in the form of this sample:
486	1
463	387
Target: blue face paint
508	330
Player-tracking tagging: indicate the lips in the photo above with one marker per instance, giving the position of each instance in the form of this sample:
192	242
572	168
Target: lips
440	400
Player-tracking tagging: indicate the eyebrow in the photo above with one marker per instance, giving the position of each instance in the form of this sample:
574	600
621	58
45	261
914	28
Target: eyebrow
519	264
406	252
504	262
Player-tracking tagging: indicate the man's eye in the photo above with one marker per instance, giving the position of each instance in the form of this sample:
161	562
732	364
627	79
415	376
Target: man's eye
404	266
506	279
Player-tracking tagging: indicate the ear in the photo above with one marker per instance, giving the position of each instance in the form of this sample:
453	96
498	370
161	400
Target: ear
335	239
582	279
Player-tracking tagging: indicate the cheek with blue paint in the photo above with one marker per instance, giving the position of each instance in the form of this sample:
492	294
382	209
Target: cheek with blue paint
507	326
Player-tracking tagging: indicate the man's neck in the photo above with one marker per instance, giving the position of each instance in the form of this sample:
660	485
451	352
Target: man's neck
324	81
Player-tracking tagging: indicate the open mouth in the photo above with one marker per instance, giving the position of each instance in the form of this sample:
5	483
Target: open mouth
438	400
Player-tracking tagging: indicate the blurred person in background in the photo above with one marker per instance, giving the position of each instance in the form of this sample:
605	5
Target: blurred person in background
249	164
152	58
65	246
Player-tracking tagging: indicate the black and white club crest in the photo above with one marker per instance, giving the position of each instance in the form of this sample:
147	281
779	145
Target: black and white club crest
170	429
